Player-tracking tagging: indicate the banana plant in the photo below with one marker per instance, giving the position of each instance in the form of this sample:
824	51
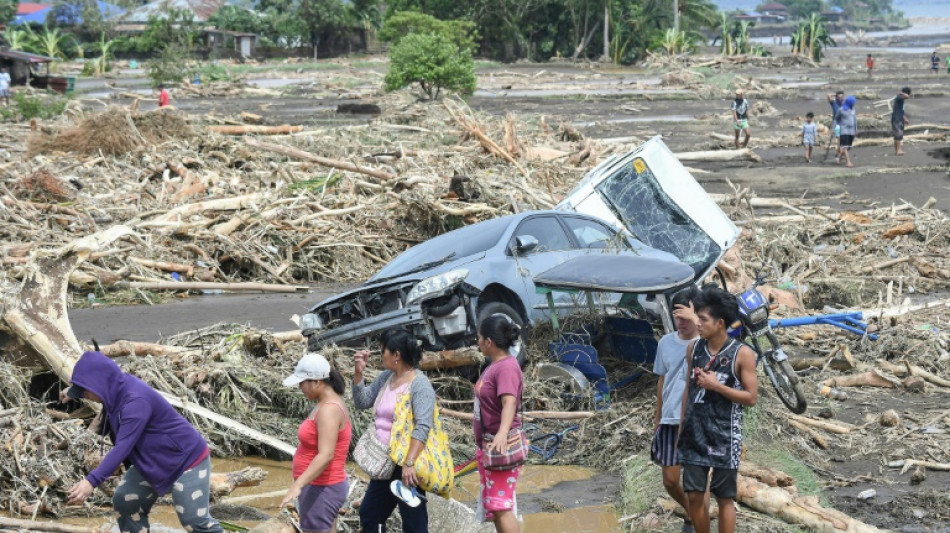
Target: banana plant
51	43
18	38
100	65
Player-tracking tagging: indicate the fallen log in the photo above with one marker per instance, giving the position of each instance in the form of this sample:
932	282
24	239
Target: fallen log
451	358
323	161
209	286
187	270
907	464
744	154
228	423
37	313
127	348
769	476
816	437
839	359
834	427
907	369
871	378
921	137
800	510
254	497
223	484
50	527
284	129
282	523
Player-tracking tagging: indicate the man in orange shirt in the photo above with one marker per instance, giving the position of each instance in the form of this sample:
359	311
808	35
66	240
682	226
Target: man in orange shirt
870	64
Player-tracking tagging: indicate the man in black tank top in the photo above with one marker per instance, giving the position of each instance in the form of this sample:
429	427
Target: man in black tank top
722	379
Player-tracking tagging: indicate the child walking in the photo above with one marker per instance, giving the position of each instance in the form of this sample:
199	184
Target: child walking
809	134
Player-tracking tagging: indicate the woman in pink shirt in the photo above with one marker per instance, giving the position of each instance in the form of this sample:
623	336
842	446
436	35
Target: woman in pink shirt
497	397
319	477
401	356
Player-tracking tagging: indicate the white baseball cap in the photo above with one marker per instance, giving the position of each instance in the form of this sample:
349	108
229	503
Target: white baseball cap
311	366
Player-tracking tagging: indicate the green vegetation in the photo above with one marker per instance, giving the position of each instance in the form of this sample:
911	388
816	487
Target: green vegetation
174	63
811	37
28	105
432	61
735	38
461	33
7	10
642	484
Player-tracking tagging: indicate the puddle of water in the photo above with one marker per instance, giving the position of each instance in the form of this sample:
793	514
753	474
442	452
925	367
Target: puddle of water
628	120
593	519
271	83
537	483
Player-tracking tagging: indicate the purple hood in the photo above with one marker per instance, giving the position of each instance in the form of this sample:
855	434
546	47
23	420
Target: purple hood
146	430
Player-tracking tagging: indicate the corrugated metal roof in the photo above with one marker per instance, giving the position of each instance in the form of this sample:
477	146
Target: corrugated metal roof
26	57
200	9
25	8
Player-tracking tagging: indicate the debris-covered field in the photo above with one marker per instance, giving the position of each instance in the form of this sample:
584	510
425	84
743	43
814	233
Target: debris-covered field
333	201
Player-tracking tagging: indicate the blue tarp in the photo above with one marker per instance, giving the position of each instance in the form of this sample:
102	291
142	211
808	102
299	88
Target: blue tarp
69	16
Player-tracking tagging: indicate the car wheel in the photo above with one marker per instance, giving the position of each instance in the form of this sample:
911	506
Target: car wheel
498	308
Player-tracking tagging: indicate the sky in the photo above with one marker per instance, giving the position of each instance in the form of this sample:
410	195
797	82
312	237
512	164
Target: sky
911	8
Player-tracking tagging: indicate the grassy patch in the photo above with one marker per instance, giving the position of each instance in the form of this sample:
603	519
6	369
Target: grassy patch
284	67
29	105
102	297
484	63
723	80
642	484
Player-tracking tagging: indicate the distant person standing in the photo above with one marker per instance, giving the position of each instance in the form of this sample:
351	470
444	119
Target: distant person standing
847	121
947	59
809	135
870	64
740	115
162	95
836	100
5	86
934	62
899	120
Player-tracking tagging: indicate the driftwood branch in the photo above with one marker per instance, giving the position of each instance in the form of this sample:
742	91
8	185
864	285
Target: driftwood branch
323	161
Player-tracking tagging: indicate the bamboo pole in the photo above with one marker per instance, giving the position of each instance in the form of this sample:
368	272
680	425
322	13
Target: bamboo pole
210	286
332	163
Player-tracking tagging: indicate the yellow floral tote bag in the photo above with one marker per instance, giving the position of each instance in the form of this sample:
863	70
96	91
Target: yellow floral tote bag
434	465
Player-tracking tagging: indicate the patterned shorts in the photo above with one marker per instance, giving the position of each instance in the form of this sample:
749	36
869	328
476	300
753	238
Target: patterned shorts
663	451
497	488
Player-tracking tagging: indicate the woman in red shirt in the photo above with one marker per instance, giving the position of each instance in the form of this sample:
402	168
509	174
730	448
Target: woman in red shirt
320	482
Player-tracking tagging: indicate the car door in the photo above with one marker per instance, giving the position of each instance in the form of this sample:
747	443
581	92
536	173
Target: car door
650	194
554	247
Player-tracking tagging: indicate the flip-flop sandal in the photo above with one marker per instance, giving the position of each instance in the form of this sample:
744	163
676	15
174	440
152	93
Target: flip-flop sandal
688	528
408	495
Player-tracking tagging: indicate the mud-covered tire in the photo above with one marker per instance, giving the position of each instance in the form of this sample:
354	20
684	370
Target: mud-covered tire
492	308
786	383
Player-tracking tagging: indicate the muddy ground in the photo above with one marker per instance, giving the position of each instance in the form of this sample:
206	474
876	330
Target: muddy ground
608	102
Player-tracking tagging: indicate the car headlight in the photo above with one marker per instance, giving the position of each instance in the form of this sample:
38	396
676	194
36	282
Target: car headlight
310	322
758	315
436	285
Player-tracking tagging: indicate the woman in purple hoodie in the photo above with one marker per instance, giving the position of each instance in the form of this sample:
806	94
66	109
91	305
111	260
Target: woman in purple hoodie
160	449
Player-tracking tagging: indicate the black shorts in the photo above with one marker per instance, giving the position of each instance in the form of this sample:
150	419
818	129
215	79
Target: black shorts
897	129
847	141
723	485
663	451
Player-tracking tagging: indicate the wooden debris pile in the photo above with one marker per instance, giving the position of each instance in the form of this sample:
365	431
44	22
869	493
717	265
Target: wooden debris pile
332	204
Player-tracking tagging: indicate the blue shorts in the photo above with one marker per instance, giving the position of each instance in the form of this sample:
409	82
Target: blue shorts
319	505
663	452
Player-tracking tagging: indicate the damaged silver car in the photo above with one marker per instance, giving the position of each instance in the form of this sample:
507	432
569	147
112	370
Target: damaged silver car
644	204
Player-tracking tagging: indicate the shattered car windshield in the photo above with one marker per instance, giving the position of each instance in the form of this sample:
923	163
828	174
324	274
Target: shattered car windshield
457	244
635	197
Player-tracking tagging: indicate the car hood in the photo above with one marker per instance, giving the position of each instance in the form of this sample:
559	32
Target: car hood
413	277
623	272
650	193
